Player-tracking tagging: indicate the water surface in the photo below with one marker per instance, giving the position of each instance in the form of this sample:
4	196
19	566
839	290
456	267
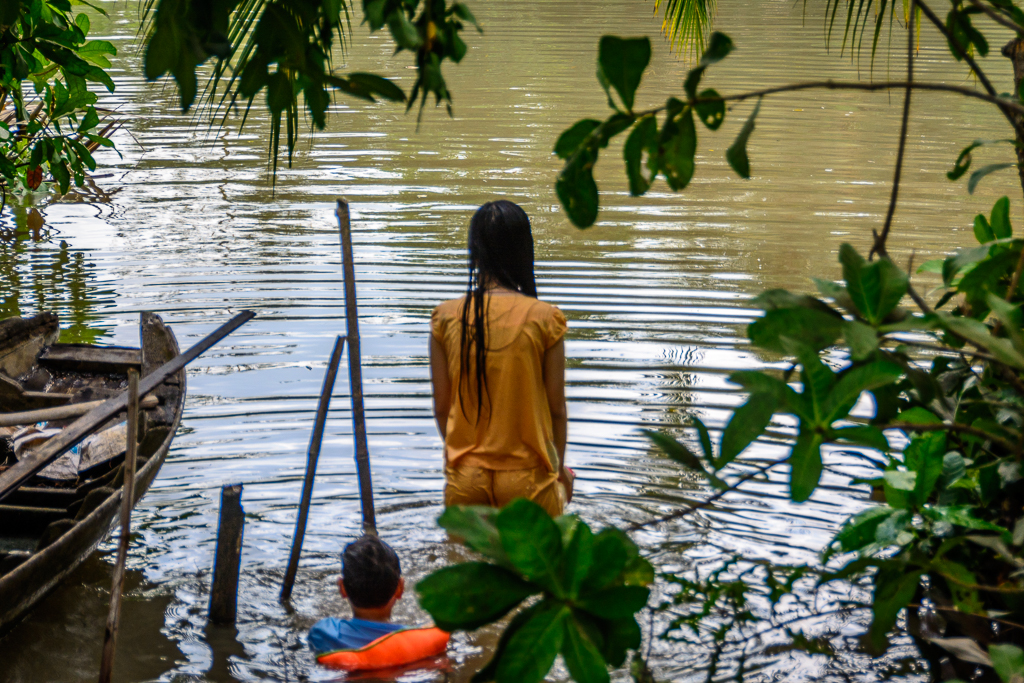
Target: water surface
656	294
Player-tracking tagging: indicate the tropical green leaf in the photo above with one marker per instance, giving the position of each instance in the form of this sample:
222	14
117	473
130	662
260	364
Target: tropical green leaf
532	649
1007	660
979	334
895	585
617	602
862	339
470	595
982	172
746	424
488	673
532	543
862	435
854	382
736	155
876	288
1000	222
644	137
805	464
577	190
814	328
474	525
858	532
675	450
622	62
677	146
582	658
577	558
710	109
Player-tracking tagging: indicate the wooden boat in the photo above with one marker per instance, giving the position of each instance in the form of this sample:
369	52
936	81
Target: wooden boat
55	520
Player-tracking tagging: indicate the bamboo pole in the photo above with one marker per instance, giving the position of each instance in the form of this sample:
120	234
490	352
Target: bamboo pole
355	372
127	501
311	459
29	417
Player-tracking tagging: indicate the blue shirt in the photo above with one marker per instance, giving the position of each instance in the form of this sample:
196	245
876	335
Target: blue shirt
332	634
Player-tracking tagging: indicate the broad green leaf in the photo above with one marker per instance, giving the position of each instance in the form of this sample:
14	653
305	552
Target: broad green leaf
746	424
736	155
895	585
474	525
811	327
571	138
979	334
582	658
711	109
919	415
403	31
757	382
953	469
578	556
677	146
533	543
462	12
637	572
705	438
487	674
620	636
805	464
891	529
854	382
858	532
1010	316
960	260
964	597
982	230
862	435
577	190
644	137
532	650
876	288
775	299
960	515
623	61
719	47
617	602
862	339
379	86
982	172
675	450
610	555
818	381
469	595
1007	660
935	265
901	481
96	51
1001	219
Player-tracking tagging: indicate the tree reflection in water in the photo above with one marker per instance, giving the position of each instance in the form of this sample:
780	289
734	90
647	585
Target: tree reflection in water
40	272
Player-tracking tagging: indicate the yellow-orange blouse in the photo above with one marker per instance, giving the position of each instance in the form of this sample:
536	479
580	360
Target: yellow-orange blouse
514	430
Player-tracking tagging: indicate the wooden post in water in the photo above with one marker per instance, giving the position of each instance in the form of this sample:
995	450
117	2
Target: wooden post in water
355	372
224	591
127	499
311	458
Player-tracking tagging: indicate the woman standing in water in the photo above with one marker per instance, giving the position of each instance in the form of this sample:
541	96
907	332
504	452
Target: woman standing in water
497	366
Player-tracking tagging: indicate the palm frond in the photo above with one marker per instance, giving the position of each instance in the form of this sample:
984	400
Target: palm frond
687	24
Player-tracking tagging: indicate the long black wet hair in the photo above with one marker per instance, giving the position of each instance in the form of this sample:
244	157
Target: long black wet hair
500	253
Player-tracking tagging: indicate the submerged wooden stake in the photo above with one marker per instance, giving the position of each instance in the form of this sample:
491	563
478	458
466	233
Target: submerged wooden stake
355	372
311	459
127	499
224	591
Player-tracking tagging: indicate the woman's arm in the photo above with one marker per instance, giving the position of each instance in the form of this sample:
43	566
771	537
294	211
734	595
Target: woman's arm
442	386
554	386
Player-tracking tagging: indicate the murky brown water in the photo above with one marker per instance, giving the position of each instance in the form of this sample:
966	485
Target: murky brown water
655	293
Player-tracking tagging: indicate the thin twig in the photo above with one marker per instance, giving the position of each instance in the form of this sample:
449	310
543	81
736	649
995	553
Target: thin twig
879	246
636	526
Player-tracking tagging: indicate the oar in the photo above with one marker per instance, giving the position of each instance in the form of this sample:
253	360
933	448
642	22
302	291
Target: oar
95	418
311	458
355	372
127	499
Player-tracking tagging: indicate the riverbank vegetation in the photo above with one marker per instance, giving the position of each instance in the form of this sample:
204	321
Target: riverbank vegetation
939	554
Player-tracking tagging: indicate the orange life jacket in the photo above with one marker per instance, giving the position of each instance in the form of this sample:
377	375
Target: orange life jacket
393	649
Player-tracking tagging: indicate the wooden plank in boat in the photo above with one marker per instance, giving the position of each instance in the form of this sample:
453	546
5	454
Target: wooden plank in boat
29	520
21	339
84	358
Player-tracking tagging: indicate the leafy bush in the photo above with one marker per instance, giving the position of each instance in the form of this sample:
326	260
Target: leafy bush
590	586
43	44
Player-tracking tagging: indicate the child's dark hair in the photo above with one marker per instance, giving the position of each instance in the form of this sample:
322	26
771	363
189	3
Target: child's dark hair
370	571
500	253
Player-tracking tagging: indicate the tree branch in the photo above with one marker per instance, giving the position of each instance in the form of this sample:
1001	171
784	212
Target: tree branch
998	18
955	427
879	246
957	46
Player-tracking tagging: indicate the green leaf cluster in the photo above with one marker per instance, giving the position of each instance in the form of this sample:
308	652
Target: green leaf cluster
43	45
650	149
589	588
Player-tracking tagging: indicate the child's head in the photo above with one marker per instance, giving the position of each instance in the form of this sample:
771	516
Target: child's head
501	248
371	575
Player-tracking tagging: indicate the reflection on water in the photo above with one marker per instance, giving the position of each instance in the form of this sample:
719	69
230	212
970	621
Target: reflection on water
40	272
655	294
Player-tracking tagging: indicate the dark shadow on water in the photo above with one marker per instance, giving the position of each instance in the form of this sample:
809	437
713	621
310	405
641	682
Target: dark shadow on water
61	640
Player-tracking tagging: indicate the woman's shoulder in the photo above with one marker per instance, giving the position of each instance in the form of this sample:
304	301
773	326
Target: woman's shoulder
449	309
542	310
